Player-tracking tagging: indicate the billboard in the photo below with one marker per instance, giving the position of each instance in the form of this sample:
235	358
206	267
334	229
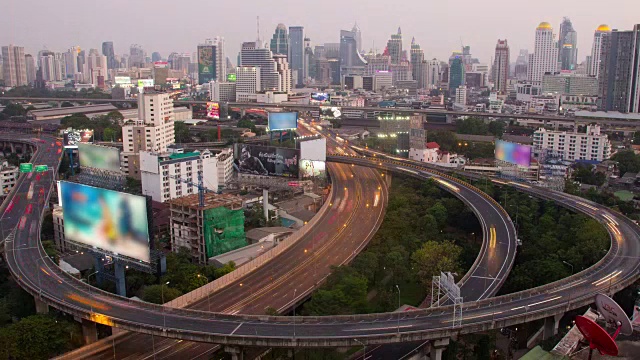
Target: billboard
99	157
315	149
320	96
313	169
231	78
206	63
266	160
71	138
330	112
513	153
107	220
143	83
279	121
213	110
122	80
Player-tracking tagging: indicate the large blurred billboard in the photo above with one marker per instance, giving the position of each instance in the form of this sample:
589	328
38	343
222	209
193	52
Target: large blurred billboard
145	83
213	110
122	80
71	138
313	169
513	153
320	97
266	160
99	157
107	220
231	78
315	149
330	112
206	63
279	121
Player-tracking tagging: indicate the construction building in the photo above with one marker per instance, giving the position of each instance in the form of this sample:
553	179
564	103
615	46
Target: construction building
209	230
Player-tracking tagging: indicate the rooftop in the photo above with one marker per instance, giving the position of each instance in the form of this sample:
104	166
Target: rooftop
61	112
174	156
211	201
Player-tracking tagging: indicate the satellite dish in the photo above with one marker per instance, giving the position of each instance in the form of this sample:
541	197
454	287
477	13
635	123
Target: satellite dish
614	315
597	337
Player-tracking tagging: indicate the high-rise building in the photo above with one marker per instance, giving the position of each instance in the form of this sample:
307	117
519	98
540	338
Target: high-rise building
456	72
522	65
136	56
212	61
252	54
296	53
567	46
394	46
222	91
619	74
593	66
155	56
357	34
30	66
96	67
109	52
280	41
545	55
433	74
351	62
247	82
501	67
418	64
282	67
14	68
309	61
461	95
71	61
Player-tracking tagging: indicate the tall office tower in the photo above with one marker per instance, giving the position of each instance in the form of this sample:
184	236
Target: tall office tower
456	72
433	74
47	65
377	63
136	56
30	66
501	66
309	62
71	61
394	46
247	82
593	65
567	46
418	64
60	66
284	72
109	52
545	55
522	64
252	54
351	62
619	74
357	34
96	67
280	41
211	60
14	68
296	53
155	56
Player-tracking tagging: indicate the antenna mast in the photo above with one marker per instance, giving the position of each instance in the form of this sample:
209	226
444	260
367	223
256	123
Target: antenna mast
258	29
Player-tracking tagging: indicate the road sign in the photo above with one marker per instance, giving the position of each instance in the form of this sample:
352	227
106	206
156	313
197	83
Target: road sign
26	167
449	284
42	168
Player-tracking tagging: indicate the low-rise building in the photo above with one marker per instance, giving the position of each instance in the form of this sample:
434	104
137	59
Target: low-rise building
222	91
592	145
8	178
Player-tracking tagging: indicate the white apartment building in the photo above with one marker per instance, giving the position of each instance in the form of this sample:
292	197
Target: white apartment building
153	131
225	167
222	91
461	95
593	65
8	177
247	83
591	145
545	56
165	175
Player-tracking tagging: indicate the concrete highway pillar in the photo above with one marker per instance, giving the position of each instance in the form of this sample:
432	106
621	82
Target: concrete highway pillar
89	332
450	119
121	287
13	148
437	348
59	104
41	306
235	352
551	325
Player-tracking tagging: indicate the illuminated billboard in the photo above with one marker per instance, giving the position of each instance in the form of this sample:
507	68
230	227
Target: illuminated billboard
266	160
279	121
231	78
330	112
213	110
99	157
321	97
107	220
206	63
143	83
313	169
513	153
122	80
71	138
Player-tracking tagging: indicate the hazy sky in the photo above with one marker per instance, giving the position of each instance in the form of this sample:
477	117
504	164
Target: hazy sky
166	26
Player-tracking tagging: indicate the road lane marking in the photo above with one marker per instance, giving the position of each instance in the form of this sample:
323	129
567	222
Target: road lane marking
237	327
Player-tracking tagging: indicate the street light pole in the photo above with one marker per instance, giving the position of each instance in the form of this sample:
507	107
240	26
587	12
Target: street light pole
294	312
566	263
364	349
397	287
164	317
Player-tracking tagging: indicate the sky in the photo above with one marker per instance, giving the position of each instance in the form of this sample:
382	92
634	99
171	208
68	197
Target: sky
167	26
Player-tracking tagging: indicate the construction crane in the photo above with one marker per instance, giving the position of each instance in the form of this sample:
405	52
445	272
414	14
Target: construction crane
199	185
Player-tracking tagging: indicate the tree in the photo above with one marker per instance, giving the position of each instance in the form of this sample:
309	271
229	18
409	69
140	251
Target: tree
156	293
248	124
472	126
446	139
47	227
66	104
439	213
496	128
38	337
110	134
11	110
182	133
434	257
628	161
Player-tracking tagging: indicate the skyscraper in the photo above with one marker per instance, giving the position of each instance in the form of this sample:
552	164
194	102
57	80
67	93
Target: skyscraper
418	64
351	62
109	52
71	61
136	56
280	41
619	74
309	62
357	34
433	74
593	66
212	61
567	46
14	68
155	56
252	54
456	72
522	65
30	66
247	82
501	66
296	53
96	67
282	67
545	56
394	46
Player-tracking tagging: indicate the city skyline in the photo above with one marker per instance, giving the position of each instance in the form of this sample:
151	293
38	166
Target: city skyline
475	28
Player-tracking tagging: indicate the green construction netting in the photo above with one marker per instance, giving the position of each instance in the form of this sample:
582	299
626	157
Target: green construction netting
223	230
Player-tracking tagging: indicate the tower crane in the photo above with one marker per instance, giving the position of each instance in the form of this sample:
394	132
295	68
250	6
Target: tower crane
199	186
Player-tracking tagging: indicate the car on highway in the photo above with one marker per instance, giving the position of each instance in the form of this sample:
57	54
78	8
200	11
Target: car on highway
28	209
38	177
9	207
29	176
23	222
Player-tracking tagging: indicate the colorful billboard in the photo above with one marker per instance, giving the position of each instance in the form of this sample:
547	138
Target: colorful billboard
71	138
99	157
213	110
320	97
231	78
206	63
122	80
330	112
279	121
312	169
266	160
513	153
144	83
110	221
